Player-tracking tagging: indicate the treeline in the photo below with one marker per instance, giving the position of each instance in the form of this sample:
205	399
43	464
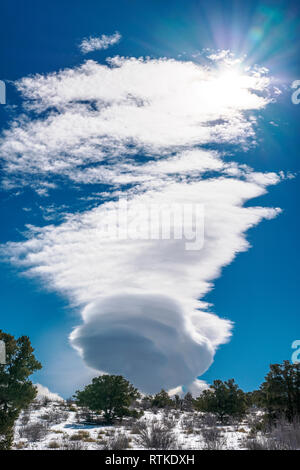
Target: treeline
279	395
112	397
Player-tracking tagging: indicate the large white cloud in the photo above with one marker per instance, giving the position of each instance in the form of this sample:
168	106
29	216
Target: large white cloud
96	113
141	123
146	338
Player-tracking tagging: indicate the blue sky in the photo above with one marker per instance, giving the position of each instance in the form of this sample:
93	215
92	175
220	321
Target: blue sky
258	290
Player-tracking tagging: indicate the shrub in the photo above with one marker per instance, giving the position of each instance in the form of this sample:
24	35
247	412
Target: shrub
72	408
259	424
80	436
25	417
286	435
34	432
156	436
207	419
212	438
45	401
256	444
84	415
19	445
53	445
168	422
283	435
120	442
187	424
55	416
69	445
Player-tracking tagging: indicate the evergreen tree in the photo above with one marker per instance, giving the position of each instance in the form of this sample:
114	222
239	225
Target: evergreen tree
280	393
146	402
254	399
224	399
188	402
110	394
178	402
16	390
162	400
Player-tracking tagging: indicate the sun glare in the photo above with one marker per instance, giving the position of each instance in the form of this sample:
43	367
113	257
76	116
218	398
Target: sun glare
232	80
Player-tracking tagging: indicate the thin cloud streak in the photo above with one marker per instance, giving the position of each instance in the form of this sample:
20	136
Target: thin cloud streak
97	43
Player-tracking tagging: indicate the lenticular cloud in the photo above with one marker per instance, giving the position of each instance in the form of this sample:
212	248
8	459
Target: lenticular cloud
145	338
140	127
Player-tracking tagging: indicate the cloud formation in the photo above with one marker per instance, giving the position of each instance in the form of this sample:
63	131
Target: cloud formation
44	392
140	126
98	43
87	120
123	333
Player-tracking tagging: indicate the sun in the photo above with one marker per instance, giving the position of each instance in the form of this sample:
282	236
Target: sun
232	79
238	85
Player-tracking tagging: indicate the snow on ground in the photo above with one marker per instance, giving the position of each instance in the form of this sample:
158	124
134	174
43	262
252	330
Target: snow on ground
57	425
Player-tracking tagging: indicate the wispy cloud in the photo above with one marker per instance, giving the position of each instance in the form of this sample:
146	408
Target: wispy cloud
96	43
93	114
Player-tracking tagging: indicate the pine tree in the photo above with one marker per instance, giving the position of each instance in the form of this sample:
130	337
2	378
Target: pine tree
280	393
110	394
224	399
162	400
178	402
188	402
16	390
